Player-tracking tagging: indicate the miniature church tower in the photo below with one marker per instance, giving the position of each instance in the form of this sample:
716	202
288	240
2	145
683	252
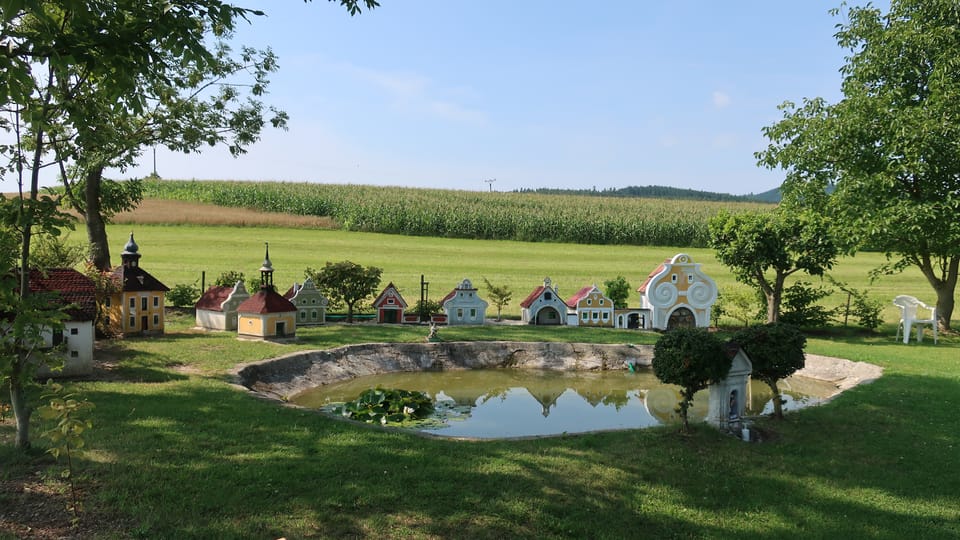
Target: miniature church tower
267	314
137	305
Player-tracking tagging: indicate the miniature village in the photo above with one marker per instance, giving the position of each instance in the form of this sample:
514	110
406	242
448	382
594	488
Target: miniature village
675	294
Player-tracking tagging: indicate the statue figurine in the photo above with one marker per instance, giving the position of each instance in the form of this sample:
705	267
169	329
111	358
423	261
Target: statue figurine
432	335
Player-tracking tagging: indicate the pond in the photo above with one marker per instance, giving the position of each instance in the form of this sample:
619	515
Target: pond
502	403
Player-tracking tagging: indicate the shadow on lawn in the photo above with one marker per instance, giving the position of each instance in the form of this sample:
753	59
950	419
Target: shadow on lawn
197	459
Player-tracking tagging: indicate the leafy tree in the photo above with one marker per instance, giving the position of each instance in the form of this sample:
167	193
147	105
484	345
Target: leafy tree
55	252
100	80
346	282
776	352
229	278
690	358
889	146
27	315
618	290
763	249
738	303
500	295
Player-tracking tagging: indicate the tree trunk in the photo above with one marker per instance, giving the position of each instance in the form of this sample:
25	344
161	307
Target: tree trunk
774	295
21	411
96	227
777	400
944	285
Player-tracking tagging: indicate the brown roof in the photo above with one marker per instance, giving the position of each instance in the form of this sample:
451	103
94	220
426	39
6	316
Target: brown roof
266	301
74	289
214	296
134	278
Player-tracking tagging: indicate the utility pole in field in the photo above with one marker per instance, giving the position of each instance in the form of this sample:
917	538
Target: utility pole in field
490	183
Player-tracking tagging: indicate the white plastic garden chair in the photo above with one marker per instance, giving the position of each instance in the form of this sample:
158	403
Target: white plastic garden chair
908	318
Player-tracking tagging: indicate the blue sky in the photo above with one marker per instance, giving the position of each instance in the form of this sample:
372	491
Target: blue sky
563	94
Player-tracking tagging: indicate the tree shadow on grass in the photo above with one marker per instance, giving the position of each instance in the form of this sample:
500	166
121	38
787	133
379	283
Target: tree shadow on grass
197	459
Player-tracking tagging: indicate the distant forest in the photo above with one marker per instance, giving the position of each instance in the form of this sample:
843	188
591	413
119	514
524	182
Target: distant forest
662	192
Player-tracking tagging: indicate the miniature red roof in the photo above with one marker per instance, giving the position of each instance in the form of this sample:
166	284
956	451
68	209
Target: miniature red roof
449	295
533	296
266	301
382	296
214	296
74	288
580	295
657	270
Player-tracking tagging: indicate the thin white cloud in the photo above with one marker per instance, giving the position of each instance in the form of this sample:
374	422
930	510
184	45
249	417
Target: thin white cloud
416	93
721	99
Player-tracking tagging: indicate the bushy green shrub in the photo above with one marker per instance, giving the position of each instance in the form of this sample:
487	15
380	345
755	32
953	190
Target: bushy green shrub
183	295
801	305
776	352
690	358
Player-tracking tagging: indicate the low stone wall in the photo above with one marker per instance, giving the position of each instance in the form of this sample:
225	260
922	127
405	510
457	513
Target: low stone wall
286	375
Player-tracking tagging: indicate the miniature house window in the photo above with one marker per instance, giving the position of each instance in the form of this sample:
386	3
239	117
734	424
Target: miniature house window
586	315
390	300
133	303
459	313
606	316
596	316
473	313
107	303
470	295
547	296
689	278
313	314
74	331
74	354
673	278
133	322
601	301
143	302
156	301
303	315
156	320
589	301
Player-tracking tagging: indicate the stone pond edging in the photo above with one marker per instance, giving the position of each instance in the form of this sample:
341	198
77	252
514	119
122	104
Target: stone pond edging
284	376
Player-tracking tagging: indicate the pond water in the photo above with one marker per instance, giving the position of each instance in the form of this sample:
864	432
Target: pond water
498	403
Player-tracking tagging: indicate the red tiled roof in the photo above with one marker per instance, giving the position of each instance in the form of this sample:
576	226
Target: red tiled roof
576	298
214	296
449	295
380	297
73	288
266	301
643	288
533	296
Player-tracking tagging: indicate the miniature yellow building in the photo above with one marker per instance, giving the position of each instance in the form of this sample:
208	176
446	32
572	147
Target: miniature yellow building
136	305
267	314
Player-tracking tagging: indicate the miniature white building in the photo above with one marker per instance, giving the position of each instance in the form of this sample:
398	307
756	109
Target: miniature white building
543	306
77	293
678	294
217	308
728	398
463	306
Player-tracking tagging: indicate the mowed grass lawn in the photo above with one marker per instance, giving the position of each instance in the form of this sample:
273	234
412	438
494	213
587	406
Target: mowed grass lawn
182	253
177	452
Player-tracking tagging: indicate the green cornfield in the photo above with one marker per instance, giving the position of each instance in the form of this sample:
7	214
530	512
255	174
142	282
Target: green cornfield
526	217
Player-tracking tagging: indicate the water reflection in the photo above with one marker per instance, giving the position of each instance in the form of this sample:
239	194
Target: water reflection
494	403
